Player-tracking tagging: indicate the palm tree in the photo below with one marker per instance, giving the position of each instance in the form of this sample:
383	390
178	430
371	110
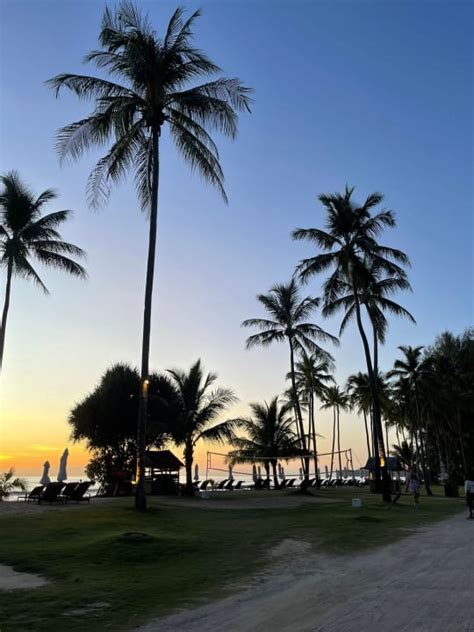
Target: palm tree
411	370
360	397
195	407
25	234
349	244
270	437
288	312
8	483
151	86
335	398
312	375
375	291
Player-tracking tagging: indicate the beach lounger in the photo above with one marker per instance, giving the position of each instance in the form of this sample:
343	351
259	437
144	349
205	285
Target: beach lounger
239	485
51	493
229	486
68	490
79	493
220	485
33	495
290	483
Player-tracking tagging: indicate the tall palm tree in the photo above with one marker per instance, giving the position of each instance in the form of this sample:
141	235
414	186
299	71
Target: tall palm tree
288	313
411	370
335	398
375	292
349	244
270	436
150	87
312	375
195	407
26	234
360	397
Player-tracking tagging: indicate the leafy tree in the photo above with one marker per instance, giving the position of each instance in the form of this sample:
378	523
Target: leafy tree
288	323
194	407
9	483
106	420
270	436
151	86
26	234
349	248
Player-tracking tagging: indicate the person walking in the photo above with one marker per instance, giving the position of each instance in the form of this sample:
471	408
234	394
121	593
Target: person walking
469	489
413	485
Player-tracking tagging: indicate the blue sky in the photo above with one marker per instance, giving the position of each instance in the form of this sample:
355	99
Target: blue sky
373	94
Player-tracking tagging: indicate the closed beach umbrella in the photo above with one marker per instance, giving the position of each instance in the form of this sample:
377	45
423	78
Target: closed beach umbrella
259	469
254	473
62	474
283	473
196	472
231	476
45	480
327	471
280	469
301	473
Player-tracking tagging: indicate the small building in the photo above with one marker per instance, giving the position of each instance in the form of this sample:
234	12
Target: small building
162	472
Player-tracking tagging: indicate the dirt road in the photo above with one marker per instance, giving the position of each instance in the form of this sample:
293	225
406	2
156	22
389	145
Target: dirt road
425	583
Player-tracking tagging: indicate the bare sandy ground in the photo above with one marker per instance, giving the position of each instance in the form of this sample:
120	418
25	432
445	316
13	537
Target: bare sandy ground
11	580
425	583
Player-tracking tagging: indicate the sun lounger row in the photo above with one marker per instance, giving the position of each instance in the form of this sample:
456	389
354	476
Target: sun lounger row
58	492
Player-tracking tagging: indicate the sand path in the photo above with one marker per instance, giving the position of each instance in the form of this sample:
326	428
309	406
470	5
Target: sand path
425	583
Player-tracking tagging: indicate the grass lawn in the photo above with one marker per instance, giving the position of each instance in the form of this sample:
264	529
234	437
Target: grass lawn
103	579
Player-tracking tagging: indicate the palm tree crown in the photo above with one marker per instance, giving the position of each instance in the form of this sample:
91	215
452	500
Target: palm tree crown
269	434
149	86
349	243
194	409
26	235
288	312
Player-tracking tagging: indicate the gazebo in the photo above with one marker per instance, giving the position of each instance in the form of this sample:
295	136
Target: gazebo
393	465
162	472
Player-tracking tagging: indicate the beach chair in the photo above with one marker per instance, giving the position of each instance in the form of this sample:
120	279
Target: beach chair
239	485
79	493
68	490
51	494
229	486
221	484
33	495
290	483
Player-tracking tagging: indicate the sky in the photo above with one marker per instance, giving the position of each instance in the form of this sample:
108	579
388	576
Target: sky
377	95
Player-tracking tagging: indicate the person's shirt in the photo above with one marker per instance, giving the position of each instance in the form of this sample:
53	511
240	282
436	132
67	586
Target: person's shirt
469	487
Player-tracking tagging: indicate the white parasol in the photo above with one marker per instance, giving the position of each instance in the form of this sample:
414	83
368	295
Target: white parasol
196	472
62	474
45	480
254	473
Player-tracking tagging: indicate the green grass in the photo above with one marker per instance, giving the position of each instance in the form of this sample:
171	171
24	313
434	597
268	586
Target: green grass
103	578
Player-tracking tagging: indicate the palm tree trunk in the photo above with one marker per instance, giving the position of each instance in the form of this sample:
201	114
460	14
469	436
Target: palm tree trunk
367	434
315	450
333	439
339	443
6	306
275	475
298	409
380	457
140	495
422	449
188	461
